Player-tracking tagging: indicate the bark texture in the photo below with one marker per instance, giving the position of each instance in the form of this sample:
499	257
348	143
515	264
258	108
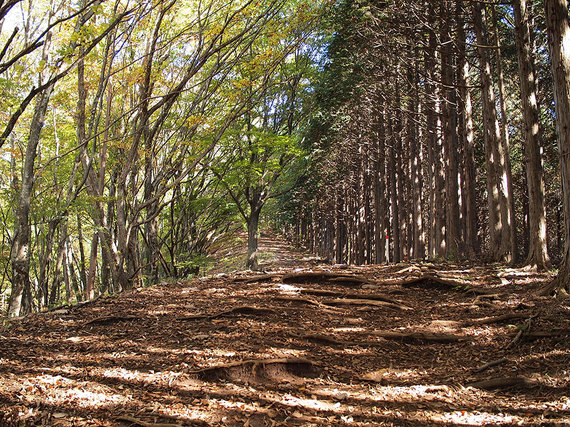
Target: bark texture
537	255
558	27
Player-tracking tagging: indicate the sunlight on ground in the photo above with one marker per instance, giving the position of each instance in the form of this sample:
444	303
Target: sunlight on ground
182	412
158	312
349	330
213	352
212	370
352	351
82	339
58	390
471	418
141	377
287	288
392	374
289	352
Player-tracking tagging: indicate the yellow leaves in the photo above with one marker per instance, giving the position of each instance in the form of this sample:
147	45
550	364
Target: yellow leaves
7	152
243	83
200	123
195	120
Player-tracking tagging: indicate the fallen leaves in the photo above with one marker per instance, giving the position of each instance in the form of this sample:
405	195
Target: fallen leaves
319	345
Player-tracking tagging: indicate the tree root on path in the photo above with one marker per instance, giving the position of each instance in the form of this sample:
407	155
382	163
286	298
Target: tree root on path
374	303
309	302
257	278
543	334
522	330
368	296
256	369
244	309
491	364
142	423
324	276
494	319
110	319
325	339
421	336
495	383
433	281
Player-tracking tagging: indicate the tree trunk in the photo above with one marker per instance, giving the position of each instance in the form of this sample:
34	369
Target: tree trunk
538	254
449	132
367	220
82	260
90	280
492	136
339	226
558	28
434	149
60	266
20	259
380	207
45	257
252	238
416	242
395	214
506	184
401	211
467	141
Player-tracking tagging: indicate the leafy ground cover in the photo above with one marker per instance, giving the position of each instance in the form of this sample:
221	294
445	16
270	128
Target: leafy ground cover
298	344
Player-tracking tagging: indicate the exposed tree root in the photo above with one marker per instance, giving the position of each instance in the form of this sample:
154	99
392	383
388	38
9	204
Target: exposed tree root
545	334
494	319
411	268
71	307
495	383
256	278
491	364
559	286
421	336
322	292
142	423
258	369
244	309
327	293
350	280
374	303
481	297
433	280
325	339
324	276
107	320
524	328
308	301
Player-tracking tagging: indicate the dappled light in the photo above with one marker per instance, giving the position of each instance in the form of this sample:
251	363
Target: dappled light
279	347
274	213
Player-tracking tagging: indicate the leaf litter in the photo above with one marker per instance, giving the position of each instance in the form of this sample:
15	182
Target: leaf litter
301	344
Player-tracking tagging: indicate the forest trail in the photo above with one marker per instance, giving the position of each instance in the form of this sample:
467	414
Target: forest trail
407	344
274	253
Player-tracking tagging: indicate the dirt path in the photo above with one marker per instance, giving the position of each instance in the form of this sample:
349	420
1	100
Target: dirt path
274	253
390	345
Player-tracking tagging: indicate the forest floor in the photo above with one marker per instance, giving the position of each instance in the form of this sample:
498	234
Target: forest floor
300	344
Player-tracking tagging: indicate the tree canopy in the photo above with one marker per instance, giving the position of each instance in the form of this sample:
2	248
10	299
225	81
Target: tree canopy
133	135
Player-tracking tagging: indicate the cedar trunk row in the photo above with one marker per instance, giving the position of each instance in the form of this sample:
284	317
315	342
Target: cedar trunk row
414	126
